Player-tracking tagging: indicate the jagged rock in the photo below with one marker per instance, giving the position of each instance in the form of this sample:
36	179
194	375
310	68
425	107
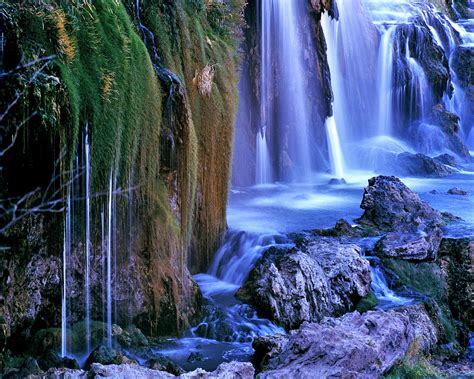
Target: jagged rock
457	259
390	205
352	346
449	123
266	348
457	191
425	332
342	228
410	246
228	370
420	165
107	356
322	278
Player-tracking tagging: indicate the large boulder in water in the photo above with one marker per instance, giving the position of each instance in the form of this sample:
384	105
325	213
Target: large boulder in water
389	205
352	346
322	277
414	226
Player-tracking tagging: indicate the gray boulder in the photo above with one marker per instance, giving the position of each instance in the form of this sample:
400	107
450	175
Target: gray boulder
410	246
230	370
322	278
458	191
389	205
352	346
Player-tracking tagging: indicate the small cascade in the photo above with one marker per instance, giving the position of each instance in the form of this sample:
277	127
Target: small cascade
338	120
264	168
66	254
88	243
419	91
387	297
335	151
109	263
231	266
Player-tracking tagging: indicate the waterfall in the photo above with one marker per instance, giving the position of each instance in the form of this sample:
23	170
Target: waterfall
66	253
387	297
284	97
335	151
338	120
264	168
88	241
385	74
109	264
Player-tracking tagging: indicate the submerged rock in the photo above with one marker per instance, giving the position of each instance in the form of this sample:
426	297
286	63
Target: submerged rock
390	205
421	165
458	191
321	278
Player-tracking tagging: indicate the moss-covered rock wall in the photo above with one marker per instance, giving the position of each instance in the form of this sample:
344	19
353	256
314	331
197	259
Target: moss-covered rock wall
154	90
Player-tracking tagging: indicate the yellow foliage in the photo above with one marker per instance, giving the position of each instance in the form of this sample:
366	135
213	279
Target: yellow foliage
66	44
107	84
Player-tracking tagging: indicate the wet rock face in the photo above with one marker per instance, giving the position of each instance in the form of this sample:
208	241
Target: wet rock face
320	278
390	205
449	124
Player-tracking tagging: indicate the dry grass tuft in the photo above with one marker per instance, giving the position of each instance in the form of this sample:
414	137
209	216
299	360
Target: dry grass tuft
203	80
66	44
107	84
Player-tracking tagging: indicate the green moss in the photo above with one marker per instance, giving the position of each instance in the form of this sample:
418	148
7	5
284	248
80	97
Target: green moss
367	303
428	279
414	365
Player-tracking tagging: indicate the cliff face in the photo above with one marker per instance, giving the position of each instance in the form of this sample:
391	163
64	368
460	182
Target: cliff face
144	100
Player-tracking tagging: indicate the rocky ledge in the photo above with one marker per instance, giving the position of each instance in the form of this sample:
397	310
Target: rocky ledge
321	277
229	370
352	346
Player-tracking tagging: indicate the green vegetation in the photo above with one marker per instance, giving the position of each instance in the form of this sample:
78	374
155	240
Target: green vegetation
428	279
367	303
413	366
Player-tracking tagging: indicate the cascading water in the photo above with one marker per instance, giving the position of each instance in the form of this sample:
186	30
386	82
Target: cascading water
385	87
338	120
109	263
283	98
88	243
66	254
264	168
